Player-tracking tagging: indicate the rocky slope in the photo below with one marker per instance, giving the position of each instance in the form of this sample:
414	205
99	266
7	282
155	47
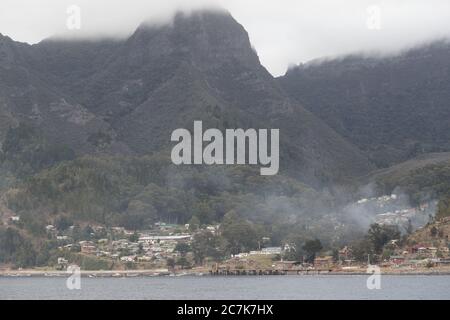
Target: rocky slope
393	108
128	96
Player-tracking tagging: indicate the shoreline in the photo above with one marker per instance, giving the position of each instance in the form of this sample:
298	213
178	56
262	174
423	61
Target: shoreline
165	273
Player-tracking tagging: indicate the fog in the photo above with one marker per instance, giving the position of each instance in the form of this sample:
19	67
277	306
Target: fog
283	32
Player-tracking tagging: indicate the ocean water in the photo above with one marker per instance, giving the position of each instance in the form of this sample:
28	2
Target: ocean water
347	287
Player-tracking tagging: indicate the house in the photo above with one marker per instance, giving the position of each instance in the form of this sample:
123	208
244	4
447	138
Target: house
62	263
240	255
120	244
165	238
87	247
427	251
288	247
15	218
394	243
50	228
144	258
103	241
103	254
397	260
444	249
323	262
345	253
271	250
415	249
128	258
118	230
443	262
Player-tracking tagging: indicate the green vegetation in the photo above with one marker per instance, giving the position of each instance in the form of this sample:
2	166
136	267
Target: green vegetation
373	243
136	192
312	247
391	116
25	151
427	182
16	249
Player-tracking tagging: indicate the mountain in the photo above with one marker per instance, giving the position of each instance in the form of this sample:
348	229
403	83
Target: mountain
127	96
26	97
393	108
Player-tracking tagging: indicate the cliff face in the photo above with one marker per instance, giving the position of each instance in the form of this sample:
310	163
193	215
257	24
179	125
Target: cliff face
392	108
135	92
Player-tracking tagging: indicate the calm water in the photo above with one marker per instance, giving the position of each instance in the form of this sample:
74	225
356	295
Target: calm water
270	287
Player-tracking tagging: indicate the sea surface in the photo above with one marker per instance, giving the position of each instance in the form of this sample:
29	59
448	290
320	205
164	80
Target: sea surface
237	287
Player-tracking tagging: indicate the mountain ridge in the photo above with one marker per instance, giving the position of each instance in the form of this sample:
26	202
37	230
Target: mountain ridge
200	67
392	108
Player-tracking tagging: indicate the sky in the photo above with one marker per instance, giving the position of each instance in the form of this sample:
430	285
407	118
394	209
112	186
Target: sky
283	32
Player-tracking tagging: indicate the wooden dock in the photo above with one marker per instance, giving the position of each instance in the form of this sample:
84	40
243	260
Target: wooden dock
267	272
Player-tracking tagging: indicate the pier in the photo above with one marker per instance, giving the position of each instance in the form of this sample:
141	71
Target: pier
267	272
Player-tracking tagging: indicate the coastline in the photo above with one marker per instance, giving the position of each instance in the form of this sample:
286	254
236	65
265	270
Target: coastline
162	272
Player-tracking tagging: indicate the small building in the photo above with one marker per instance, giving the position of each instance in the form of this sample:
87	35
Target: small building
62	263
144	258
87	247
415	249
50	228
397	260
240	255
102	241
271	250
323	262
165	238
427	251
345	253
443	262
128	258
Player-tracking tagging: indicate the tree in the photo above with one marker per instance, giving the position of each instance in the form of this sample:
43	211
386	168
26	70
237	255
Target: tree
335	254
433	231
409	227
182	248
312	247
63	223
138	215
205	244
183	263
16	249
379	235
194	223
134	237
443	208
361	249
203	212
240	235
170	263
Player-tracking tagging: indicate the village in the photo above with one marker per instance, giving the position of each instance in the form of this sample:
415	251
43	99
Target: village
166	249
174	248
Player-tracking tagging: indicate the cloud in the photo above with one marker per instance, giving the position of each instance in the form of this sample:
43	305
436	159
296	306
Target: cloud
282	31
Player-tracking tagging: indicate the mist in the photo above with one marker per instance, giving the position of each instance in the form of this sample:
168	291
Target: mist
283	32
